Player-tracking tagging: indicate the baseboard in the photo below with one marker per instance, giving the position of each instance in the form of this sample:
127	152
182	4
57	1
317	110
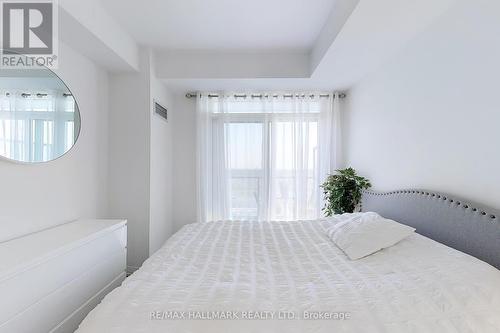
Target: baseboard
70	323
131	270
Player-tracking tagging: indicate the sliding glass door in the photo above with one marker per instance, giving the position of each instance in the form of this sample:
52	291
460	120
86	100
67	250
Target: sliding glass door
246	151
272	166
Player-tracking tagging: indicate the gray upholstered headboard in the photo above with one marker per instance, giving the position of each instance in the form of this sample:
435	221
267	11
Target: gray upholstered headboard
457	223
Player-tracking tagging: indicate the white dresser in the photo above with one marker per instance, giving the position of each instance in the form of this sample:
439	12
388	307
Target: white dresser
51	279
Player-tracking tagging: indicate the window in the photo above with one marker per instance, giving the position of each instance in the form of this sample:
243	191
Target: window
260	159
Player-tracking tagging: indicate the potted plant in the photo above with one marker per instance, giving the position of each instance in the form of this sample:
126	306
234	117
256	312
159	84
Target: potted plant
343	191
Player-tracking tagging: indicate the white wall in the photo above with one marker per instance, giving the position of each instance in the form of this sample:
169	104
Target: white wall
129	171
232	65
161	169
430	118
140	160
34	197
184	120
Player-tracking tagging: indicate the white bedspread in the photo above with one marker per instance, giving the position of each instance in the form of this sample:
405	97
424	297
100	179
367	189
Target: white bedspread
276	270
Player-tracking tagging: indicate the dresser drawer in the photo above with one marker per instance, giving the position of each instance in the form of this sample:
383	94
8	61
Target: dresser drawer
40	295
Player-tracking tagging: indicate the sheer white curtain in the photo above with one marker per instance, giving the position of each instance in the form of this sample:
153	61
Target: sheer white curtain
264	157
213	177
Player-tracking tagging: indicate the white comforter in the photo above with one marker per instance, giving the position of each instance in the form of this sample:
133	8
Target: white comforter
278	273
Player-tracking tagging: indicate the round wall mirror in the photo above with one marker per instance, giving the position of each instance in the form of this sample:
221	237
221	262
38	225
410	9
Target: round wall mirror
39	117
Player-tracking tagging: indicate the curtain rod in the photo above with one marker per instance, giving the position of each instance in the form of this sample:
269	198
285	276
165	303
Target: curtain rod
194	95
39	95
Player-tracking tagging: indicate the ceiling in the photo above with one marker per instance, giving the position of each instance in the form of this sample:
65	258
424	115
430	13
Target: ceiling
247	44
235	25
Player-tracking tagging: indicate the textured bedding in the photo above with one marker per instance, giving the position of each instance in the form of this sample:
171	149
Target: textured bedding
289	277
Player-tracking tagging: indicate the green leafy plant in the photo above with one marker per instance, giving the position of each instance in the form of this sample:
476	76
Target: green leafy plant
343	191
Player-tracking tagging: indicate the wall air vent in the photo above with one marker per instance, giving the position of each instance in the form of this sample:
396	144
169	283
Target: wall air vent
161	111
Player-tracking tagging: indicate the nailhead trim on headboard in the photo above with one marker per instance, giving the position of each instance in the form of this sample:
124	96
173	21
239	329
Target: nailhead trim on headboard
458	203
457	223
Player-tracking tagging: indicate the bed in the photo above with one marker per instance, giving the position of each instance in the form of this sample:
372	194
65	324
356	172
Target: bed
289	277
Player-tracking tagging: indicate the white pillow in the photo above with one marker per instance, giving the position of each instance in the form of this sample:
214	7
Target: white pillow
361	235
